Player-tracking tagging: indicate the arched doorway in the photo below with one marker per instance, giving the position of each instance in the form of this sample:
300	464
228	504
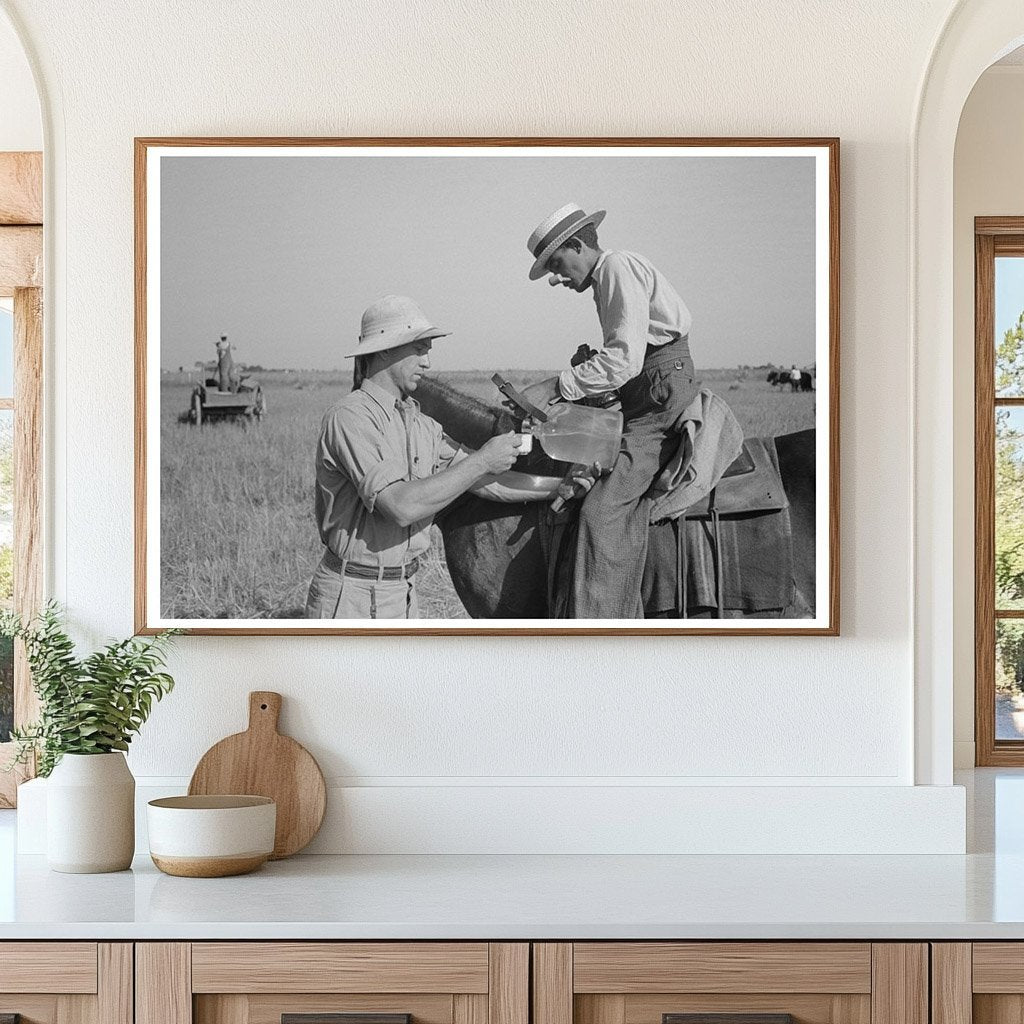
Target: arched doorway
976	34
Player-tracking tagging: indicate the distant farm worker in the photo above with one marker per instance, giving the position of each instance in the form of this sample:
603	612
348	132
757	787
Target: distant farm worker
794	376
227	376
383	471
645	355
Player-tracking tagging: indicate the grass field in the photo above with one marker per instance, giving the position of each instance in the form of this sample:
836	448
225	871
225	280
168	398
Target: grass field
238	538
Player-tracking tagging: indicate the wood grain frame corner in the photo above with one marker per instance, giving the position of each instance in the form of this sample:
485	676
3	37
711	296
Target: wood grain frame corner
831	144
993	237
141	624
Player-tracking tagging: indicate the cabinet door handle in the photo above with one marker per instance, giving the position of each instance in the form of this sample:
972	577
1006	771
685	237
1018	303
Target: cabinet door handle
338	1018
727	1018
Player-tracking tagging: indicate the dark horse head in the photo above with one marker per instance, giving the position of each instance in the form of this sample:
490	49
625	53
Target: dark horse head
471	422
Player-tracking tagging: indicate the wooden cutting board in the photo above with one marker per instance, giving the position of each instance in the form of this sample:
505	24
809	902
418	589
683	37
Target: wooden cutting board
262	762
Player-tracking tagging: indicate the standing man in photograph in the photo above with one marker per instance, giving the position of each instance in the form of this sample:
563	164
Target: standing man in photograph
384	470
644	354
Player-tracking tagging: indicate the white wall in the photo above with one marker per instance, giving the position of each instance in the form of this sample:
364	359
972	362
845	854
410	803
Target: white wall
987	182
21	127
430	717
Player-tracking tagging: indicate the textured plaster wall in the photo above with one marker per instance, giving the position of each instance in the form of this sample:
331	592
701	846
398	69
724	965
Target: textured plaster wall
21	127
987	180
813	711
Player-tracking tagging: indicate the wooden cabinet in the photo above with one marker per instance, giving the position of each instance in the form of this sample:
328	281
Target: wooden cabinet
494	983
978	983
754	982
66	982
307	982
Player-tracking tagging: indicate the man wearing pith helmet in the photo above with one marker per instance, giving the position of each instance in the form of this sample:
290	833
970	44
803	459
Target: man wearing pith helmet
384	469
644	354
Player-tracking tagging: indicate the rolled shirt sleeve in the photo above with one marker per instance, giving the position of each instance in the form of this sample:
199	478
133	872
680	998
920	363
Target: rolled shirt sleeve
351	444
623	298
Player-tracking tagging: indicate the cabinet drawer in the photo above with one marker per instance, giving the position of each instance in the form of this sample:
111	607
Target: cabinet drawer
730	983
634	967
332	983
66	982
65	967
340	967
980	982
998	967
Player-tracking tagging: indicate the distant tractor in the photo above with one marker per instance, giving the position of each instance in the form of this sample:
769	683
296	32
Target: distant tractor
210	403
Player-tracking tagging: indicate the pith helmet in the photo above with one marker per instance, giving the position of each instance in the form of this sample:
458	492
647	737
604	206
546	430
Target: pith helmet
551	232
392	321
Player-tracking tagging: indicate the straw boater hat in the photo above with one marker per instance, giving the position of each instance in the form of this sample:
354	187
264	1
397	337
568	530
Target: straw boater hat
393	321
553	231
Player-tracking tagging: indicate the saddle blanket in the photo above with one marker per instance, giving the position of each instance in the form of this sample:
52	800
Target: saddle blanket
756	551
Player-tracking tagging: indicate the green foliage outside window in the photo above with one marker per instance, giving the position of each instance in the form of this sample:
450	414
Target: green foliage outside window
1010	471
6	573
1010	362
1009	510
1009	656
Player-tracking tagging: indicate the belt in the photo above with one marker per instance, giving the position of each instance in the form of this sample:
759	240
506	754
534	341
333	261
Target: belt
656	355
389	572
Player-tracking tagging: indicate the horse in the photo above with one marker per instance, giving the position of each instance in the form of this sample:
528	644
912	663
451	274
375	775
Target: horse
496	552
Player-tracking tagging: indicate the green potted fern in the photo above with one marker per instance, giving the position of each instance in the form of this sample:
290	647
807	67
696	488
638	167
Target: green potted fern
89	709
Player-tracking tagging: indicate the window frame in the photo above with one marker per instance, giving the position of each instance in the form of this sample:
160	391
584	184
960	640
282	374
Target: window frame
993	237
21	278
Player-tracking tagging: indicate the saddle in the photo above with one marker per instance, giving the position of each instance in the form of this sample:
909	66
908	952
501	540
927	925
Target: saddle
727	516
731	551
751	483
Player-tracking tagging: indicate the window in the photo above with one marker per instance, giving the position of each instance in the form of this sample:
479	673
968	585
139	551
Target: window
6	511
999	490
21	364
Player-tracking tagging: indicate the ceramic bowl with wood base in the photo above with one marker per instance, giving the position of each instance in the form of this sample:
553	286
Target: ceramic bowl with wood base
211	836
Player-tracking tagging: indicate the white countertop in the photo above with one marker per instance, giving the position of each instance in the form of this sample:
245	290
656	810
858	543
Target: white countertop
517	897
976	896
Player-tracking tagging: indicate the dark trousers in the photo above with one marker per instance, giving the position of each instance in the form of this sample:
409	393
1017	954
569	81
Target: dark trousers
611	543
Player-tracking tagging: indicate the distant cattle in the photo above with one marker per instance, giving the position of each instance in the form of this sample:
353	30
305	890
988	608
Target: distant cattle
780	378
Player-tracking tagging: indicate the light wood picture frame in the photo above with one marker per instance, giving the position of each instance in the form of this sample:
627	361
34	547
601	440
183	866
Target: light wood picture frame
280	244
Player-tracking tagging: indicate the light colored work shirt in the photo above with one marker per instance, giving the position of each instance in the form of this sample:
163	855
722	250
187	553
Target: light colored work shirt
637	307
369	440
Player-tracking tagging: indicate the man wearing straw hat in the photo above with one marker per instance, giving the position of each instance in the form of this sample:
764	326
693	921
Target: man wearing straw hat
645	356
384	470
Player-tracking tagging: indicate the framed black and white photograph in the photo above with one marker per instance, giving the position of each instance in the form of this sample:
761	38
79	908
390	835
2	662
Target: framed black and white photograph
443	386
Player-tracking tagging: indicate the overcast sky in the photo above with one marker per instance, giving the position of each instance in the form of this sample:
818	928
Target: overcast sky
1009	294
282	254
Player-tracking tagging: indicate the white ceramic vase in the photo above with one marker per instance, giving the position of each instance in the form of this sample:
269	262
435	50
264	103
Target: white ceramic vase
90	814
